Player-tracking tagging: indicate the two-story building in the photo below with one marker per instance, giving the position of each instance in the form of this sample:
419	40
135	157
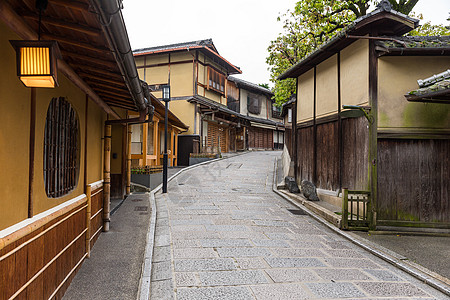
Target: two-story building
200	93
265	129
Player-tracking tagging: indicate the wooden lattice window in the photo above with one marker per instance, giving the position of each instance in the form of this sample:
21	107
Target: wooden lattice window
60	148
216	80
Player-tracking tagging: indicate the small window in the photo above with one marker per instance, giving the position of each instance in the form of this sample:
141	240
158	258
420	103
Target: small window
253	105
216	80
61	148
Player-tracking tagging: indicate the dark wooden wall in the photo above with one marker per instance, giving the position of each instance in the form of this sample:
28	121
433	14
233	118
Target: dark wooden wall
323	168
414	180
260	138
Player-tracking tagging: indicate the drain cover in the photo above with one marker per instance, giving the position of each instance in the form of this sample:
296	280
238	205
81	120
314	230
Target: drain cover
136	200
141	208
297	211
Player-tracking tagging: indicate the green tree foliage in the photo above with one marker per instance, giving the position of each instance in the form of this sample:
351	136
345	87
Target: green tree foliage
264	85
307	27
429	29
313	22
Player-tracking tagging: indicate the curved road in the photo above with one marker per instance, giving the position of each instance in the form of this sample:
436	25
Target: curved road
222	233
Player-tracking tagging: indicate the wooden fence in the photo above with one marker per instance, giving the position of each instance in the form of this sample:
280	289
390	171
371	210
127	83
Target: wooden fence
40	256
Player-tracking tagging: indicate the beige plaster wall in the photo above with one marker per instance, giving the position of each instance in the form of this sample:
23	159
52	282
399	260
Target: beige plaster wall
181	80
185	111
96	121
15	132
355	73
327	87
305	97
14	136
243	104
396	77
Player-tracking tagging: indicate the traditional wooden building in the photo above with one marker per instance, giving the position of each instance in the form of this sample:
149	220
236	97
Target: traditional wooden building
198	77
147	139
265	129
354	128
64	151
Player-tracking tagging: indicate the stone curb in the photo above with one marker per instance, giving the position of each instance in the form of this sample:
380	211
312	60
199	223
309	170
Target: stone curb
144	291
423	275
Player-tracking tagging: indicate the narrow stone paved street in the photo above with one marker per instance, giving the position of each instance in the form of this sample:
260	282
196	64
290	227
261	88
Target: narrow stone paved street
222	233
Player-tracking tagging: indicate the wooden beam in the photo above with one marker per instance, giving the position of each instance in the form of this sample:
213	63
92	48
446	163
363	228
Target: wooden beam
144	143
72	4
97	71
129	159
156	141
23	30
115	88
31	153
101	78
73	42
114	93
55	21
98	61
113	96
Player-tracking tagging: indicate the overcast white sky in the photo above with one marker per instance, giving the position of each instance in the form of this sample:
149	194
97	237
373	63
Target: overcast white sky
241	29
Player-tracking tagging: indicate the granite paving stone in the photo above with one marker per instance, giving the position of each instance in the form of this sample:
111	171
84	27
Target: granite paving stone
281	291
291	275
293	262
186	279
271	243
251	263
162	289
391	289
244	252
217	293
240	277
335	290
225	243
210	264
194	253
351	263
341	274
161	270
296	252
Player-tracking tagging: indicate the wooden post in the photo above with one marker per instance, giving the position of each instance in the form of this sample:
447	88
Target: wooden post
344	220
88	220
31	153
172	145
156	141
373	135
144	143
129	160
175	163
107	179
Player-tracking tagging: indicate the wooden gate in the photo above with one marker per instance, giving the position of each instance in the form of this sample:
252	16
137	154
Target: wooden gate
355	209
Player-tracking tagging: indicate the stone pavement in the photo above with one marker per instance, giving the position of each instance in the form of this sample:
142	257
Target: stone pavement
221	233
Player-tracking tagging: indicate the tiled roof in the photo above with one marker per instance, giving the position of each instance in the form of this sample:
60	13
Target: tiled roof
433	89
249	85
224	109
208	43
415	42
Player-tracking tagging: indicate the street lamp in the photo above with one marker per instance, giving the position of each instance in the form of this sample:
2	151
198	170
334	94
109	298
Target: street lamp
166	99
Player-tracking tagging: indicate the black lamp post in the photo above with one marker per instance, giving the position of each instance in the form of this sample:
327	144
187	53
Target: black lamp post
166	99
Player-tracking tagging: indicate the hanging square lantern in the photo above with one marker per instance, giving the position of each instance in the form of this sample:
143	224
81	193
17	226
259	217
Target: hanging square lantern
36	62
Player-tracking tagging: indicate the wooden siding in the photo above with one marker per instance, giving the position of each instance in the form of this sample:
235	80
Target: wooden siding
260	138
326	166
39	260
96	215
413	180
